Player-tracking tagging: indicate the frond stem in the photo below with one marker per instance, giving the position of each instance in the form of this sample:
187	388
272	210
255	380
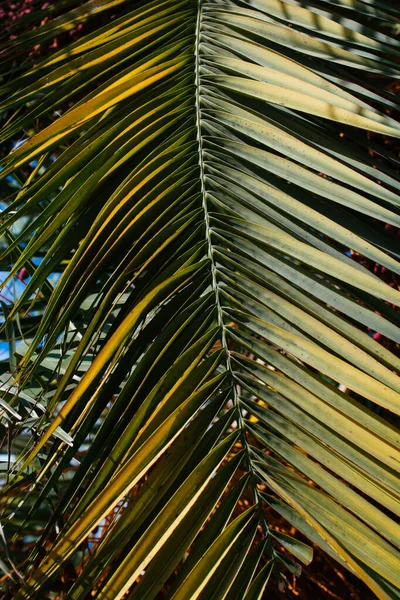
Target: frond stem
210	253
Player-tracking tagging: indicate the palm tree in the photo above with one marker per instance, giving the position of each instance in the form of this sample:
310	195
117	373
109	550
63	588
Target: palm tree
223	177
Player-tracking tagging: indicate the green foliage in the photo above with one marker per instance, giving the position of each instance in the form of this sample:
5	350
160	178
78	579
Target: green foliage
206	351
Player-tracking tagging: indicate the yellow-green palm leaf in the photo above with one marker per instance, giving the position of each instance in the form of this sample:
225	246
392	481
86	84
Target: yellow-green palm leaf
206	351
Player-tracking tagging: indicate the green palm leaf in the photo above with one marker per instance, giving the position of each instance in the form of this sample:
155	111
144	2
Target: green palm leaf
206	349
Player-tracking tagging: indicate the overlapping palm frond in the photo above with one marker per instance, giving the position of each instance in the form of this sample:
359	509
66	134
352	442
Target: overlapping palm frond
206	351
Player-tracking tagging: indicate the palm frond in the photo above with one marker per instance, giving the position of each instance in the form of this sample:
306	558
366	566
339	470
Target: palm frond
203	190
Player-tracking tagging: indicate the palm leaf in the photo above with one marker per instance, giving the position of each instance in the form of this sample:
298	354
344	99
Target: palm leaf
213	168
